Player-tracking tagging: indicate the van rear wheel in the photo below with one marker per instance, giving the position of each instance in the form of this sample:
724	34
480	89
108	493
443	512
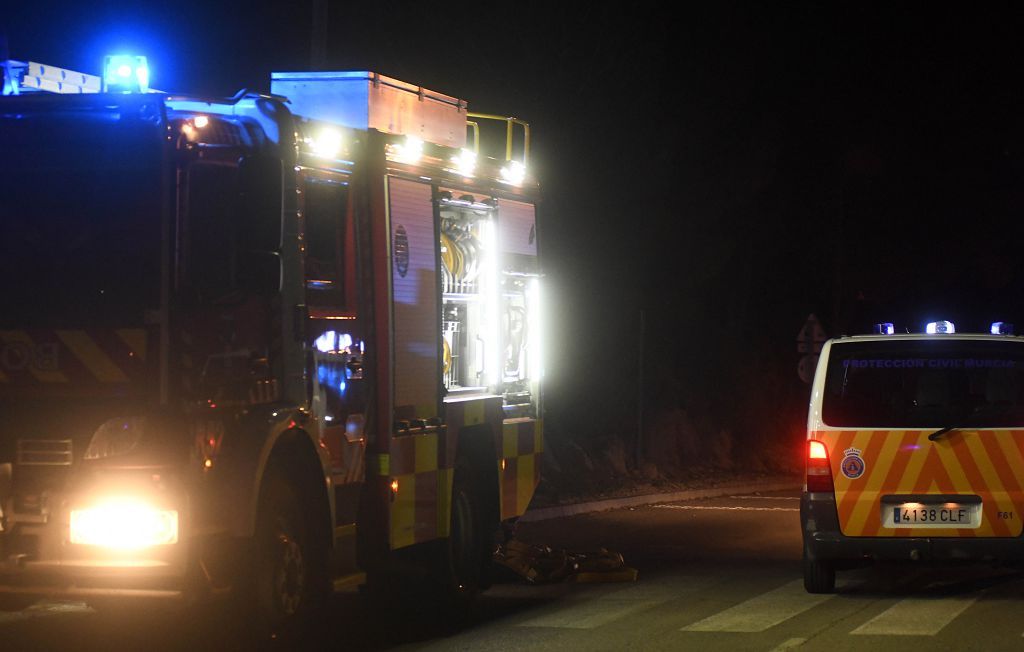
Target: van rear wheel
819	575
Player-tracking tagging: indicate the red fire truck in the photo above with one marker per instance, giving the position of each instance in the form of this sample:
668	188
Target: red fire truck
260	346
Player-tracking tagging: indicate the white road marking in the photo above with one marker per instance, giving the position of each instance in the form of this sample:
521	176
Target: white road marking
762	612
43	610
725	508
916	616
789	644
766	497
609	607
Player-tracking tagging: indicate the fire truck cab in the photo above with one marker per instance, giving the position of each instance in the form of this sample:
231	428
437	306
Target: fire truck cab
260	345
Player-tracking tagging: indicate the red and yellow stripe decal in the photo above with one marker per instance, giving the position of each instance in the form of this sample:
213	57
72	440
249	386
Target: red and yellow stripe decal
417	479
421	467
984	463
522	442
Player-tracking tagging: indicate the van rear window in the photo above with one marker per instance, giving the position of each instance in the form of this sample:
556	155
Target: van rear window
925	384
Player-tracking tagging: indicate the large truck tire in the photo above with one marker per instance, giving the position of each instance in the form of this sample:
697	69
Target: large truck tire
287	579
468	549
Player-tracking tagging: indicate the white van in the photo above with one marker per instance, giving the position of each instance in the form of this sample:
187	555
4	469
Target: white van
915	450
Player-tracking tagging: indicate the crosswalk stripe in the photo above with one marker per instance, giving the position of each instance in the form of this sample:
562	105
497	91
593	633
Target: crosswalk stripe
916	616
762	612
789	644
609	607
590	614
43	610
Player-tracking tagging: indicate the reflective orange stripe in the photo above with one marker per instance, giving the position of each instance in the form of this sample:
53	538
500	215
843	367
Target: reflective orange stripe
987	463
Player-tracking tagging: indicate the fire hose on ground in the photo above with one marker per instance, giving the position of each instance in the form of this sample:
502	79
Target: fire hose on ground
539	564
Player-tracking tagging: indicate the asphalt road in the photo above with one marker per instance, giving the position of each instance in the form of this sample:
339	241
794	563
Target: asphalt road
717	574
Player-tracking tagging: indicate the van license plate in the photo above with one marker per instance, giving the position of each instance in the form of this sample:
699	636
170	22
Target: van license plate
923	515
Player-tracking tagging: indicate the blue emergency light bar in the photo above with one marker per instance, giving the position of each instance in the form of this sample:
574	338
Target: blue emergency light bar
885	328
125	73
1001	328
940	327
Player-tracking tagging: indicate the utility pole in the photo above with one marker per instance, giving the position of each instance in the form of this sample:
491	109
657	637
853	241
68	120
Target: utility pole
318	36
640	395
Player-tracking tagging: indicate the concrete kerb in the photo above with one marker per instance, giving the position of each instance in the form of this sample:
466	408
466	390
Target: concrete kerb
560	511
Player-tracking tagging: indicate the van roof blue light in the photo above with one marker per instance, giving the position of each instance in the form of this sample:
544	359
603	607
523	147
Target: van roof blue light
936	327
885	328
1001	328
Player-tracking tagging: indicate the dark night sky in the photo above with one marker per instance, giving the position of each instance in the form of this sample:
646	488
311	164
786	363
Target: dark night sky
729	169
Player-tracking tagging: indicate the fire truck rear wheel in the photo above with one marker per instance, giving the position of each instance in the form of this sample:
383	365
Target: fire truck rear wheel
467	547
286	577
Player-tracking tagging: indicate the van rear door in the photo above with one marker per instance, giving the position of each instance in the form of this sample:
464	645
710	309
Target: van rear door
883	400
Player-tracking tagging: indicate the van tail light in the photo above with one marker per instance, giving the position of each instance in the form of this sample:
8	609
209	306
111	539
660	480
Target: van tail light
819	473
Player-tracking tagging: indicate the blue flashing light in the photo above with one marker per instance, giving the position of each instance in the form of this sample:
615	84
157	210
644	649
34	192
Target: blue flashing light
1001	328
125	73
885	328
332	341
940	327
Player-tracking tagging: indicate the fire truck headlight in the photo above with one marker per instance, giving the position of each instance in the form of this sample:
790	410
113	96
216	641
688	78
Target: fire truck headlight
115	437
124	525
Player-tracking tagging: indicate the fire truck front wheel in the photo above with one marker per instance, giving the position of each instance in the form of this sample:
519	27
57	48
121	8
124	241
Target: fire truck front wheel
285	587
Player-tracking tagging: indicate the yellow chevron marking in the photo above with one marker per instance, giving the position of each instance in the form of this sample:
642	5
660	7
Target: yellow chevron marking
865	508
1012	453
426	452
860	441
403	513
1013	458
913	470
42	375
538	436
92	356
996	491
949	461
135	338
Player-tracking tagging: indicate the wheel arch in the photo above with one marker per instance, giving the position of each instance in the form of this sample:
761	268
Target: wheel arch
294	454
287	445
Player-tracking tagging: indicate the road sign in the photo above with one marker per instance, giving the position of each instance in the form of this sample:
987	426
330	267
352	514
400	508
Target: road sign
805	368
811	336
